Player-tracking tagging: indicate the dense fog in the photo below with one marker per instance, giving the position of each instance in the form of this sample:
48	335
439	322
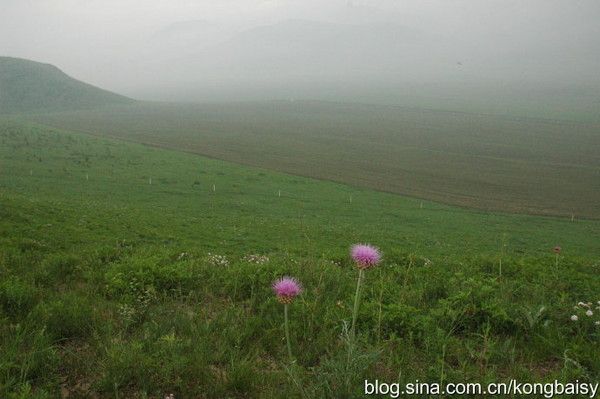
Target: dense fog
408	51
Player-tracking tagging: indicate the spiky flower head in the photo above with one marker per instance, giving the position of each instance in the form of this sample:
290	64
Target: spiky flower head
556	249
286	289
365	256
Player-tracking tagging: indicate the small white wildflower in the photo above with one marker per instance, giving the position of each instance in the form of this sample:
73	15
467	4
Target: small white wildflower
580	304
256	259
574	317
217	260
597	323
127	312
589	313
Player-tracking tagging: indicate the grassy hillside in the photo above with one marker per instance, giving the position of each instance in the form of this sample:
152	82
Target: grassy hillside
479	161
127	271
28	86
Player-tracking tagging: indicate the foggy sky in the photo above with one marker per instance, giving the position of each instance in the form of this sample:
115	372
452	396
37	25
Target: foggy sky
136	46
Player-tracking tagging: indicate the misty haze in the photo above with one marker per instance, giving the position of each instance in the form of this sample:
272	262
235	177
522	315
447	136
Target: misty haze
487	56
299	199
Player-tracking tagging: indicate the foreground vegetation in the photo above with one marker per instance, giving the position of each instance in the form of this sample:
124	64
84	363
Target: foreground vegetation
129	271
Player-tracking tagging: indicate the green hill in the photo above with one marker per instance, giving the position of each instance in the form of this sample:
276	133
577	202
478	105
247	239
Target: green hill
28	86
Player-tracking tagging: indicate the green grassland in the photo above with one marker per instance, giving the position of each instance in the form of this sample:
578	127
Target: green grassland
110	287
521	165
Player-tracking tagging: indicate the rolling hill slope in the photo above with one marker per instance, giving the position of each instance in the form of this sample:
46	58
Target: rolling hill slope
28	86
471	160
124	273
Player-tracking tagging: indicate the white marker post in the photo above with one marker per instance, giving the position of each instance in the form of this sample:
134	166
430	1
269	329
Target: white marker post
214	188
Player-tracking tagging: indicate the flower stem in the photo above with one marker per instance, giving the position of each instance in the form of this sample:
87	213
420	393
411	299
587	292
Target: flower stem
356	303
287	332
352	335
380	308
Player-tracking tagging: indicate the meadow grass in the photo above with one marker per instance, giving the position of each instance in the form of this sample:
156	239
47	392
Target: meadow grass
114	287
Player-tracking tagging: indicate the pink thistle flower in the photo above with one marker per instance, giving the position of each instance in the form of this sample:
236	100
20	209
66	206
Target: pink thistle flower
365	256
286	289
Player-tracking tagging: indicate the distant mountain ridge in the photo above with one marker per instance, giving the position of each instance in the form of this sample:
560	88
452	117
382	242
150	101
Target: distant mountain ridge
29	86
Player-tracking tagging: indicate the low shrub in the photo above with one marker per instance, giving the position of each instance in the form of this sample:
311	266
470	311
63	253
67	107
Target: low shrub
17	297
66	317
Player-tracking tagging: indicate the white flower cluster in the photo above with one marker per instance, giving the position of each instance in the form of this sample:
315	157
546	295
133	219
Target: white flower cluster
587	309
256	259
142	295
217	260
127	312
